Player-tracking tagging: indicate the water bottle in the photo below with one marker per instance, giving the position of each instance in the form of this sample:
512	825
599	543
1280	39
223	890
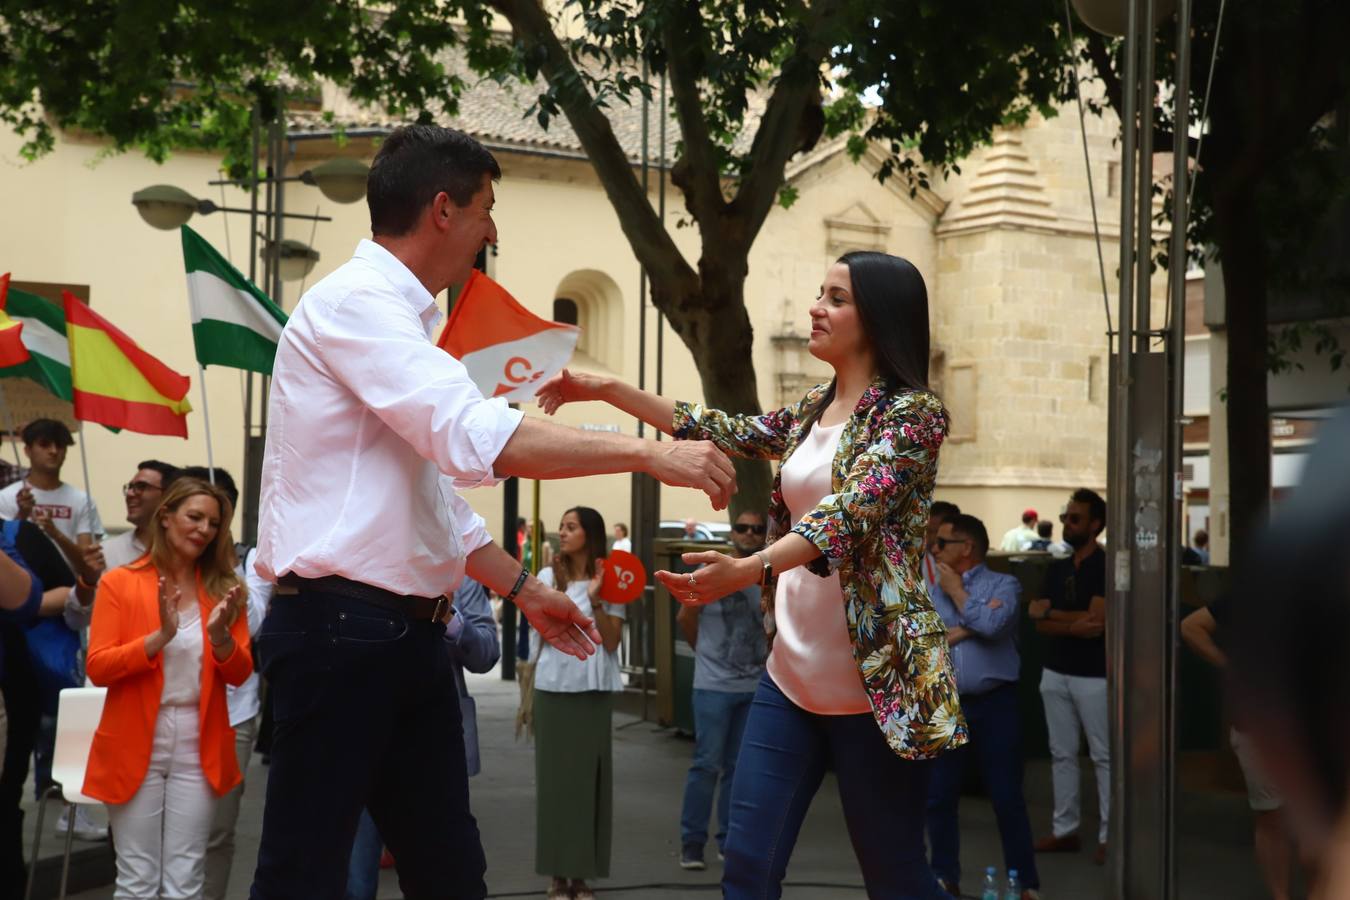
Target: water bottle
1014	888
990	891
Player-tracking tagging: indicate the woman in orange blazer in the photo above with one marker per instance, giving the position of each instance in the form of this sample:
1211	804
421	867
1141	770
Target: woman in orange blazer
165	639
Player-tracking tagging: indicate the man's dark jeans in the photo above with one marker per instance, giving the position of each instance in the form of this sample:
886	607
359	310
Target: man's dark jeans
996	747
366	715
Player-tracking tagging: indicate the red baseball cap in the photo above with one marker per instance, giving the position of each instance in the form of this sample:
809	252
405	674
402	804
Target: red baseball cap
1029	514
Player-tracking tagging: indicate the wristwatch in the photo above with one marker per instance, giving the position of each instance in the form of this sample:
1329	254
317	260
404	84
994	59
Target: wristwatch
766	575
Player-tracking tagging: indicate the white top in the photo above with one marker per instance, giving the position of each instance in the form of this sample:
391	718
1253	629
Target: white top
121	549
364	411
242	701
71	510
556	671
624	544
182	661
812	657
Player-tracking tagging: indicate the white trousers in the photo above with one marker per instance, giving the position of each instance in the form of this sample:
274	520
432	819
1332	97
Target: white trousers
1073	702
161	832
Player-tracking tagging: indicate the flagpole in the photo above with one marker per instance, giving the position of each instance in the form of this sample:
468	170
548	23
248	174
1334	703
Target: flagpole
536	533
84	464
206	417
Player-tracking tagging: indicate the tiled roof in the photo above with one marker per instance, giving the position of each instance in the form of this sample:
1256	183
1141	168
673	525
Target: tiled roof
495	114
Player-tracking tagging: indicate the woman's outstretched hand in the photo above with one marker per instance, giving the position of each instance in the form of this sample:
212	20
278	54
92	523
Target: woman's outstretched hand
568	387
719	576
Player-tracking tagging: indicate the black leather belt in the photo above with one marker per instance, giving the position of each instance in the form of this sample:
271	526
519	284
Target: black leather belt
422	609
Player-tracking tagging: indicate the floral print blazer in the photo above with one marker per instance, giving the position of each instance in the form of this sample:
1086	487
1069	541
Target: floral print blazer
870	530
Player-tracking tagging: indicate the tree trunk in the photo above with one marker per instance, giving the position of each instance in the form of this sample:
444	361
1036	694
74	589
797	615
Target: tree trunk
716	328
1242	253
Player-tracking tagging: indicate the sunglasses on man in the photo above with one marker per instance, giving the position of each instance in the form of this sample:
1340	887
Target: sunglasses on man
942	543
746	528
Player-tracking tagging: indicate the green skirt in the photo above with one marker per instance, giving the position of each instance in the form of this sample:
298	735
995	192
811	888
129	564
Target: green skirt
574	783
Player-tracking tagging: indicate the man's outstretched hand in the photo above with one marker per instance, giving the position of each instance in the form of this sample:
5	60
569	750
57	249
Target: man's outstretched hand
557	619
695	464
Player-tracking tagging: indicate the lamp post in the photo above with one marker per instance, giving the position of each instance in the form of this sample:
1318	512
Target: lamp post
341	180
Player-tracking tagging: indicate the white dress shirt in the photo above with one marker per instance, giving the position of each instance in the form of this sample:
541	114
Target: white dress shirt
365	412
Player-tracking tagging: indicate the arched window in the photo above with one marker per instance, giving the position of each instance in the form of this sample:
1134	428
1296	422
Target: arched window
565	311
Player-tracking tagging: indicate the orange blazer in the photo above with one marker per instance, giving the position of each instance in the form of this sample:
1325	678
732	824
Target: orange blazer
126	609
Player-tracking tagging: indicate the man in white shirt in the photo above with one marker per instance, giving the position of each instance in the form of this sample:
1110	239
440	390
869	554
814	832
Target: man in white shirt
364	541
1015	540
64	512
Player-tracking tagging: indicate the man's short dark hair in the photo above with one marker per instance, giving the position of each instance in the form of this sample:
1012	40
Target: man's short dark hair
224	480
622	527
942	511
47	430
1095	504
973	530
416	163
167	472
1045	528
1201	538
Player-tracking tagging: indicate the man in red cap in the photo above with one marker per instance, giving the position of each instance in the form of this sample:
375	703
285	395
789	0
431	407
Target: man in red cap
1020	538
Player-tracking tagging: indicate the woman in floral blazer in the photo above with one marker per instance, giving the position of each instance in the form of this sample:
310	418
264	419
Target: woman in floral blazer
859	679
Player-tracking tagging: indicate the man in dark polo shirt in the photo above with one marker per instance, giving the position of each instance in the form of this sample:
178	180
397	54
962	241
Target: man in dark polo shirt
1071	613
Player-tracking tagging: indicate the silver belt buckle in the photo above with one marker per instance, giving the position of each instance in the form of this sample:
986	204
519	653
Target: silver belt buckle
444	610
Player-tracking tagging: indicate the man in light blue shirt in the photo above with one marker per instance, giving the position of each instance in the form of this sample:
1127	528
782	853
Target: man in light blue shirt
980	608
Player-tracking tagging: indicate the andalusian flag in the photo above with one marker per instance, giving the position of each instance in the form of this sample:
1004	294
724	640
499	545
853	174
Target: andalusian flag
116	382
44	337
233	323
508	350
12	350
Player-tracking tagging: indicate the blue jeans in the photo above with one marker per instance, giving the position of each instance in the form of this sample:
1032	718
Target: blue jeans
363	873
784	755
996	747
719	722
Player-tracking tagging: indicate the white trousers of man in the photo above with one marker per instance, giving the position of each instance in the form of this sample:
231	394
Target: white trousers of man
161	832
1074	702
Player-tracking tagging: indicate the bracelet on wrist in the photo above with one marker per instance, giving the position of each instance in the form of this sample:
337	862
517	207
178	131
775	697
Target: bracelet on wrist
766	573
520	583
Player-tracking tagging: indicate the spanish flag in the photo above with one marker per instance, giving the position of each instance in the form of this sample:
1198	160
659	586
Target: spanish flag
12	350
116	382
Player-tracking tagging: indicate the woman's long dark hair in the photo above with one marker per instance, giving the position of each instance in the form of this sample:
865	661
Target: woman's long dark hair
892	303
593	525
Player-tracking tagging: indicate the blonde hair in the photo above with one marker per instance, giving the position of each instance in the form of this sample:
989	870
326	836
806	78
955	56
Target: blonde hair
217	562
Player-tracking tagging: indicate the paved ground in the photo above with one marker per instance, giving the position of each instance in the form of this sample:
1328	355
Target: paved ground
1215	862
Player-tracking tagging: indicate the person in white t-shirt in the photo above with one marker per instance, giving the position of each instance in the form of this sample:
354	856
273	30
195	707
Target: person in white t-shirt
64	512
621	539
574	768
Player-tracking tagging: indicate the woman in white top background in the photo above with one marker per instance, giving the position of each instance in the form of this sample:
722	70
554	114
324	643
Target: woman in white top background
574	770
859	678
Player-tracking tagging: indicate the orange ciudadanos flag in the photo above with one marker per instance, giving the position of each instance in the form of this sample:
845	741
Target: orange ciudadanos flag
118	384
12	350
508	350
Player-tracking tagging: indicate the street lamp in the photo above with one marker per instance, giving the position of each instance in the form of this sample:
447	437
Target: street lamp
294	260
342	180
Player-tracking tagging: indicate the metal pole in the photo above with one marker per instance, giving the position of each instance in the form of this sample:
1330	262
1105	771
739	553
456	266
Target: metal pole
1177	265
1143	259
1119	540
511	544
250	504
206	418
661	211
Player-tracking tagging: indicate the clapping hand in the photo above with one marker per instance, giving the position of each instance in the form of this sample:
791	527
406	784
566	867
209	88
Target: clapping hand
169	596
223	615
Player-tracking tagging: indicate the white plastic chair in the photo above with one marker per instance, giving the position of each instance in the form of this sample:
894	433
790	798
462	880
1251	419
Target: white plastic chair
77	716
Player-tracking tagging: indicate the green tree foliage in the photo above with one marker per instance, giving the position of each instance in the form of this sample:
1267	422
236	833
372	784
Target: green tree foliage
752	83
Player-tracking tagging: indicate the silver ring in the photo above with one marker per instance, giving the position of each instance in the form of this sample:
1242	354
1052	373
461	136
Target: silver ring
692	581
693	596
